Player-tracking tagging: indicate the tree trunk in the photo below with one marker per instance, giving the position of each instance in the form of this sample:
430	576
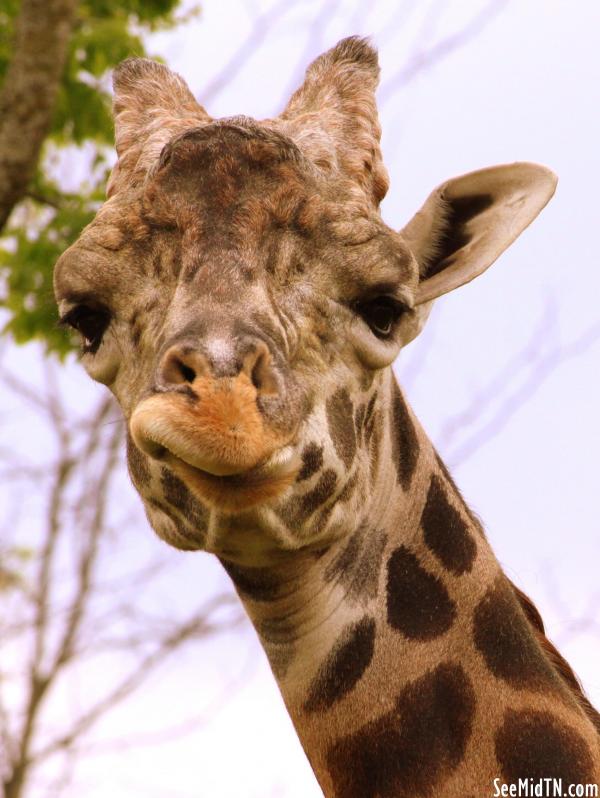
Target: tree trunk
28	95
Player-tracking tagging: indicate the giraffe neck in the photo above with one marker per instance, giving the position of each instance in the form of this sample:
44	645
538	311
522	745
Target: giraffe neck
402	652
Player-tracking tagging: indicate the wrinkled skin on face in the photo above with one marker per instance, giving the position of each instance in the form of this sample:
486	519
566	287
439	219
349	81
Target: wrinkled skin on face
235	300
242	298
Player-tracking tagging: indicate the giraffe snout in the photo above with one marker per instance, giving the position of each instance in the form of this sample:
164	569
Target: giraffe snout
206	412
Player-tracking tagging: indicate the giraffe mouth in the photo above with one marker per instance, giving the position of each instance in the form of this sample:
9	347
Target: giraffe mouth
218	446
233	493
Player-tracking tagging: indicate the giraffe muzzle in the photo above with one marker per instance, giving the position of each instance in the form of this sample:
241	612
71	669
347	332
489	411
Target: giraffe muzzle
214	423
220	432
218	445
210	430
208	419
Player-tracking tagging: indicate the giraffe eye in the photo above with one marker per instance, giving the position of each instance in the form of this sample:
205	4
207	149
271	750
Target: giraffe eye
90	322
380	313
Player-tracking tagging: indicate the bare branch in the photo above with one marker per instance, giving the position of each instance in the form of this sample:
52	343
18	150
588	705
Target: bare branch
402	11
314	43
193	628
585	622
23	391
261	28
47	554
89	555
542	366
423	60
186	726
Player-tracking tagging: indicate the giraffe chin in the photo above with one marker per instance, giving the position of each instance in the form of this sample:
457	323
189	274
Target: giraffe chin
236	493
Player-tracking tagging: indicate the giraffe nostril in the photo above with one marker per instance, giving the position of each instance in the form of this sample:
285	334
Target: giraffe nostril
181	366
256	375
258	367
188	374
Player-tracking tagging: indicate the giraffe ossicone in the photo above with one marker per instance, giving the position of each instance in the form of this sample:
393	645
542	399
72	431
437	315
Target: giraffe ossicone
242	298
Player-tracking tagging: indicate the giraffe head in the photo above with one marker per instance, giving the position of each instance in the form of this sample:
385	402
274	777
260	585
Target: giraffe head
241	296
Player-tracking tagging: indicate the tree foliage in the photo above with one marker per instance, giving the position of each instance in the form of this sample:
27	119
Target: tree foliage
58	205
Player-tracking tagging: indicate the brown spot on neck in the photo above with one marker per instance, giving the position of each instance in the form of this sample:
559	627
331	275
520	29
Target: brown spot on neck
418	604
341	425
445	531
559	663
312	461
411	749
535	745
405	444
349	658
506	641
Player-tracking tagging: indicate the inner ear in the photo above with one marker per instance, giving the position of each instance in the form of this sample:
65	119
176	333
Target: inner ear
454	233
467	222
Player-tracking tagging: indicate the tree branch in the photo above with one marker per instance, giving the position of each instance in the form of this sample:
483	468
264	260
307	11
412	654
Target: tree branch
313	46
89	555
423	60
184	727
540	366
194	627
261	28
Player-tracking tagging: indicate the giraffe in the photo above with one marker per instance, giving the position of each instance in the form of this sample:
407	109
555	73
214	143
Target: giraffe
242	298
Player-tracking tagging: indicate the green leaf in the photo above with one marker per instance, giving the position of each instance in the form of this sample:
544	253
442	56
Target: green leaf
51	219
34	243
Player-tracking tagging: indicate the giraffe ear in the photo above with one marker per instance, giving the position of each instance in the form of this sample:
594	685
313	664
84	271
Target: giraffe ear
151	105
333	119
467	222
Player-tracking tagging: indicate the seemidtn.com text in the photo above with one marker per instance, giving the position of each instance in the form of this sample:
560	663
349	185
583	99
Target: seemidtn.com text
543	788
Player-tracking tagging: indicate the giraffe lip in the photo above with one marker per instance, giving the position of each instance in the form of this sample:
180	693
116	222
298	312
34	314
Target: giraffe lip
164	453
281	461
168	430
229	474
238	492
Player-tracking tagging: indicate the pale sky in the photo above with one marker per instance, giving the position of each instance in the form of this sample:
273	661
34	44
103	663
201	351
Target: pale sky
524	89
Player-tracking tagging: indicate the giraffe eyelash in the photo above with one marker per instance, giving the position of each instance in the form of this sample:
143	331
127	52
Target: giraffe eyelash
381	314
90	322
